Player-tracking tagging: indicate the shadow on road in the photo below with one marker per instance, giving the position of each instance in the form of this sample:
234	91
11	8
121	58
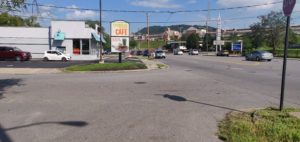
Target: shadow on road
4	137
7	83
182	99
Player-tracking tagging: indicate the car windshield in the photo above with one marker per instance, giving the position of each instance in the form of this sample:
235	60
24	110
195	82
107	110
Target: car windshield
159	51
17	49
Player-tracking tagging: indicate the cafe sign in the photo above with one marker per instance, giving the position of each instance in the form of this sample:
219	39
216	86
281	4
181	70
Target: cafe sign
120	37
120	29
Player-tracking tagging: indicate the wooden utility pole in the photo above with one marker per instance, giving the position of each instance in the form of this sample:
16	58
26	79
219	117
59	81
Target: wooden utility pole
101	46
207	20
148	31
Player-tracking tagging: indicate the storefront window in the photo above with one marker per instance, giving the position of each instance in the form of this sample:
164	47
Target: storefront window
76	46
85	46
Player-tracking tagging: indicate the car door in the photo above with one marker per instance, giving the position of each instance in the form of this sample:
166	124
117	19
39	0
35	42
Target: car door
57	55
10	53
2	50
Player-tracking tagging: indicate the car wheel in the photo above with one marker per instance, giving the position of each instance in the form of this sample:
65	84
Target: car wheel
270	60
64	59
257	59
18	58
45	59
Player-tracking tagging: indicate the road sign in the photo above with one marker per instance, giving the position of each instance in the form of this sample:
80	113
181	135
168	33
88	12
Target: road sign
219	42
288	6
237	46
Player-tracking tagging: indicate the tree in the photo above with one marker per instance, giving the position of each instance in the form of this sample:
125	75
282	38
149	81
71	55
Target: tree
31	22
11	5
193	41
16	21
270	29
133	44
257	35
274	22
209	39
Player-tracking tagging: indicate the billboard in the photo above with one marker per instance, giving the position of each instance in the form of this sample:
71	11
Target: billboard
120	36
119	44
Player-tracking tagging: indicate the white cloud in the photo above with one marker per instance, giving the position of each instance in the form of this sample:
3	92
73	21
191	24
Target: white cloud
155	3
192	1
232	3
79	14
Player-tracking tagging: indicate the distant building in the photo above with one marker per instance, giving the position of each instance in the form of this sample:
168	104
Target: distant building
193	30
171	35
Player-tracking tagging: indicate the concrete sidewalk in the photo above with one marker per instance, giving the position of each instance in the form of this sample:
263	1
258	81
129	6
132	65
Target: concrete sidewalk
29	71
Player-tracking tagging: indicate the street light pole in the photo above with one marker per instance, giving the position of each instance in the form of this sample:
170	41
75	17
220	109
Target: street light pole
101	46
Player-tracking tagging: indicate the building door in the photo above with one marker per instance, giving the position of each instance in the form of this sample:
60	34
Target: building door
85	46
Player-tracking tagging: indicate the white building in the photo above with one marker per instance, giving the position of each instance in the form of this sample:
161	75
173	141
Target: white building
70	37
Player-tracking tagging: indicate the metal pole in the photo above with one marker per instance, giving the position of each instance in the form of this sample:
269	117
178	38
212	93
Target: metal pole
101	46
284	63
50	37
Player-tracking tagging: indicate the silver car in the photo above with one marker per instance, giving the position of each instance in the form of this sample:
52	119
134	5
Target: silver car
259	56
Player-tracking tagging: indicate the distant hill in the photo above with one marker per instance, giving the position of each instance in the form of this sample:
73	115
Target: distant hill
161	29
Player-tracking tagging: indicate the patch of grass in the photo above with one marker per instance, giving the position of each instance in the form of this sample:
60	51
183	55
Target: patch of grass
160	66
108	67
267	125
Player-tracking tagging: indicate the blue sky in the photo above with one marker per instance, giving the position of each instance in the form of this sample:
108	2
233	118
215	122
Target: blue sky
247	15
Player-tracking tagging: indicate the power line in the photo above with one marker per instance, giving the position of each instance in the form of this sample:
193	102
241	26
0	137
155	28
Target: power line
156	11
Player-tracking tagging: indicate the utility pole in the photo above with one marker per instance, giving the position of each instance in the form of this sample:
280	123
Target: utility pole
101	46
148	31
207	29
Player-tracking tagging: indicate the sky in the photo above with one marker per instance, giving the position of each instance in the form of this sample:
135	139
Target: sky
236	18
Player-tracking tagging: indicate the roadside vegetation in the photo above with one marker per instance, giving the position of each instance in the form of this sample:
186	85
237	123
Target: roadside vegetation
144	44
129	65
267	125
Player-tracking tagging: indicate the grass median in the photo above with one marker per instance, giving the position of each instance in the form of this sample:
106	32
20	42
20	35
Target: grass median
129	65
267	125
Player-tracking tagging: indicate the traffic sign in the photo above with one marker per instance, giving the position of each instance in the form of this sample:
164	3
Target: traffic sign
288	6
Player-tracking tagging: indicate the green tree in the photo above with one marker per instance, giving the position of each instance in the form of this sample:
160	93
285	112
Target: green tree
257	35
193	41
10	5
209	39
133	44
31	22
273	25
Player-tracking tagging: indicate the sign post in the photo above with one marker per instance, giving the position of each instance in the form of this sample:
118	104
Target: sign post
288	6
120	38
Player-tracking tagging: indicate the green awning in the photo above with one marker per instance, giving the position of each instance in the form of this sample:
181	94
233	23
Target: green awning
59	36
97	37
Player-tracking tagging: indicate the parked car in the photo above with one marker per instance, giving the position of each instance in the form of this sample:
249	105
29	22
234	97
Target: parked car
194	52
223	53
159	54
259	55
14	53
139	53
56	56
146	53
178	52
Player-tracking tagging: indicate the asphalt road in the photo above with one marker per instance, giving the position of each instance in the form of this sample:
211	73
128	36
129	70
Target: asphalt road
179	104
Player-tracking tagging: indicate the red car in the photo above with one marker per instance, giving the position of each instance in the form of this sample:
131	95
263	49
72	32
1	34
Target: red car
14	53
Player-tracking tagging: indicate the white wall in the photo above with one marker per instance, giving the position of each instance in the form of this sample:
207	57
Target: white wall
72	29
34	40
